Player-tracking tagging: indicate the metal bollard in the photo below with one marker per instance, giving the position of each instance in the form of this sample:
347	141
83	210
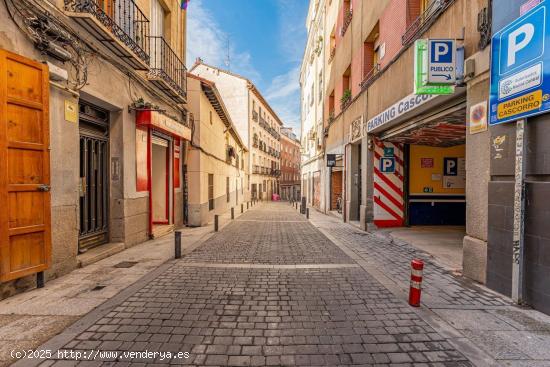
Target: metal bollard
216	221
177	245
304	205
417	268
40	279
307	213
242	208
232	213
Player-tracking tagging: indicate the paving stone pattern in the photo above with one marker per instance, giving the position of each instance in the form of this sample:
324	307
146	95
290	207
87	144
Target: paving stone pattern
393	257
315	316
269	242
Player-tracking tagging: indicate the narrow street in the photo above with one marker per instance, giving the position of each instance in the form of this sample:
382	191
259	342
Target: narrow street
269	289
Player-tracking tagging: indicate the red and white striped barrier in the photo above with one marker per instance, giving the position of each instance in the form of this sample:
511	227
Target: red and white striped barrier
388	187
417	269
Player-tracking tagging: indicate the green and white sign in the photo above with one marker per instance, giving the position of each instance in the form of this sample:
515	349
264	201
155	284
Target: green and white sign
421	72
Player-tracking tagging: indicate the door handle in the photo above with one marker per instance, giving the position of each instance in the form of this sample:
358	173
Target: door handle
43	188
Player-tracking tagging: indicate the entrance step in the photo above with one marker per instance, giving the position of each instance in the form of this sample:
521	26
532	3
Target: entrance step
162	230
99	253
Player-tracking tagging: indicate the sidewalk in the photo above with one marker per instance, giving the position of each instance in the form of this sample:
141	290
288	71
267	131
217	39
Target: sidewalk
29	319
470	314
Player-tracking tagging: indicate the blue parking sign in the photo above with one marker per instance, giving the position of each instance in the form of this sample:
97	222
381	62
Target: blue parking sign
387	164
520	68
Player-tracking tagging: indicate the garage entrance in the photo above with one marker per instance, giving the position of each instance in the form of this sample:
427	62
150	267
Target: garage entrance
420	179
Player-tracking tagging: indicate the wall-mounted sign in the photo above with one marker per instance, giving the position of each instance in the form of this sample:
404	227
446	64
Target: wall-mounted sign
478	118
388	152
520	67
421	79
426	162
387	164
331	160
398	109
441	61
71	111
163	123
454	173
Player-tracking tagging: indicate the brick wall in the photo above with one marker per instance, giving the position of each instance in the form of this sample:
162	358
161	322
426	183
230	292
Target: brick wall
393	24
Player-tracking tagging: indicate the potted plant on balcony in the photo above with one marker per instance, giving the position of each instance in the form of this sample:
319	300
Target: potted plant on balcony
141	104
346	99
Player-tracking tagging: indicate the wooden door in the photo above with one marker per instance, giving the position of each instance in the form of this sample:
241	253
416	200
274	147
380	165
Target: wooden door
25	232
108	6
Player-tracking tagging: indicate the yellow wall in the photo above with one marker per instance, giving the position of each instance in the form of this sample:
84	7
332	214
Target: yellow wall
422	177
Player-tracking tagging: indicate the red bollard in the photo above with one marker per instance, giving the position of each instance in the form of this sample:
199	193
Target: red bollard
417	266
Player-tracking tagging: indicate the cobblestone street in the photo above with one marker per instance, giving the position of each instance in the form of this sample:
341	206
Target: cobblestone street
268	289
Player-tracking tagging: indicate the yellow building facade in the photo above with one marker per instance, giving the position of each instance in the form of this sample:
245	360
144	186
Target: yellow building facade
217	158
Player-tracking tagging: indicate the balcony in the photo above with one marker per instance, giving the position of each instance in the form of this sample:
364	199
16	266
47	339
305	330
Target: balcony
255	116
369	77
167	71
121	27
332	54
347	21
424	21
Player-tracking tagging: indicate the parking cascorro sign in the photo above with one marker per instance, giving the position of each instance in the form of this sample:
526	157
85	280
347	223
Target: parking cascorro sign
520	68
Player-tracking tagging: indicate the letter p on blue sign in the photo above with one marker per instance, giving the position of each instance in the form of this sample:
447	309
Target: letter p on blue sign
387	164
522	42
441	51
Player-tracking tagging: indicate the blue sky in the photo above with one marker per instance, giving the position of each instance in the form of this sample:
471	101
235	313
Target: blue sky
266	44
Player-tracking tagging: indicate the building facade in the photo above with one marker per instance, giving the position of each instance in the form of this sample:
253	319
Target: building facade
97	131
290	165
257	124
312	76
406	159
215	165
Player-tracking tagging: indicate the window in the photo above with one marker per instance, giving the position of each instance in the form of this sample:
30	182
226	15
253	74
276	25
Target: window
227	192
265	185
242	186
210	191
210	117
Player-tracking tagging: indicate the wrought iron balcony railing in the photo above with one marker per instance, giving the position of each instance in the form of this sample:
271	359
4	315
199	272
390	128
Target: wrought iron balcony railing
369	76
122	20
167	70
332	54
347	21
417	27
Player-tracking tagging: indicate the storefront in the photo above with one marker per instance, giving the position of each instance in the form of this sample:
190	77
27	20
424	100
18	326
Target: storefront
158	166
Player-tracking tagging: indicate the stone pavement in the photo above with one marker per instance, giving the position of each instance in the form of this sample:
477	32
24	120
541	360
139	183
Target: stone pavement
474	315
31	318
272	289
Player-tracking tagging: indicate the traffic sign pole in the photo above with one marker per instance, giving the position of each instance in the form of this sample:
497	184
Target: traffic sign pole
519	214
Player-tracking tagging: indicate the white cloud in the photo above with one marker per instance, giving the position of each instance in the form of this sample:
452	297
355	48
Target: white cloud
205	39
284	97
